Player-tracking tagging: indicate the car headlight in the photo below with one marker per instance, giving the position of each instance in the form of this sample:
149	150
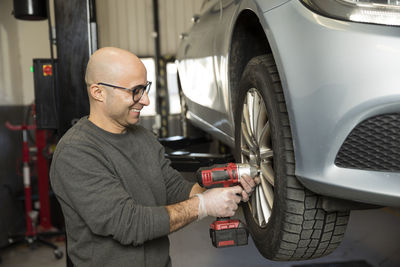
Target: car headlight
368	11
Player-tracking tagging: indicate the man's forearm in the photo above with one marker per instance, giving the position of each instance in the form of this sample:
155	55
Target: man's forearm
196	189
185	212
182	213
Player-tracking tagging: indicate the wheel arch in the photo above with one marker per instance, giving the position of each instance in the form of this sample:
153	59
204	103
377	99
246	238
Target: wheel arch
248	40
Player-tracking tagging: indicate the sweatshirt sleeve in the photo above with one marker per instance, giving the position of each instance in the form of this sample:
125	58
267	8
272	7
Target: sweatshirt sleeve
178	188
83	179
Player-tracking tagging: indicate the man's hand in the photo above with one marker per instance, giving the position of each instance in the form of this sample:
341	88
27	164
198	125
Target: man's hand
219	202
248	185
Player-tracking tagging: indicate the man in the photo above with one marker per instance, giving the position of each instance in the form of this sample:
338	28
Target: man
118	193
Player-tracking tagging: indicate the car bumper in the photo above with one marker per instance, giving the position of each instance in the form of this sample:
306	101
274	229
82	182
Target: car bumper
335	75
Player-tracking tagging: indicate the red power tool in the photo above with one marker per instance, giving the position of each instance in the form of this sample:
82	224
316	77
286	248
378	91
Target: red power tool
226	232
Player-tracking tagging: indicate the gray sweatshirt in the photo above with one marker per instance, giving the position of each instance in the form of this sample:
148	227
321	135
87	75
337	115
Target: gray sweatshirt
112	189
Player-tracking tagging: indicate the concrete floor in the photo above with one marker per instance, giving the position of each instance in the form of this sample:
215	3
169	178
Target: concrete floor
372	236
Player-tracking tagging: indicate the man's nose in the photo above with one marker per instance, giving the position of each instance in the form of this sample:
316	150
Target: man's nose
145	100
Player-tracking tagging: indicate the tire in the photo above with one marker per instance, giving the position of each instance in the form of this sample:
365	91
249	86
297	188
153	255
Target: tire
285	219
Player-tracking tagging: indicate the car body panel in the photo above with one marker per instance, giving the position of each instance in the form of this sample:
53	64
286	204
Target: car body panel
207	54
331	84
334	74
230	10
198	48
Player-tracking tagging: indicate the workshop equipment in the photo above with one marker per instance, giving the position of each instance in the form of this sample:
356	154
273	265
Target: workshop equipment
31	235
226	232
44	74
30	9
30	231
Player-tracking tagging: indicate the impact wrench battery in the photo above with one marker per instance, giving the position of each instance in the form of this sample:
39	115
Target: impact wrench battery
226	232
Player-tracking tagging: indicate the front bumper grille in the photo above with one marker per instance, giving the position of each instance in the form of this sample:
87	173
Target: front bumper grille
374	144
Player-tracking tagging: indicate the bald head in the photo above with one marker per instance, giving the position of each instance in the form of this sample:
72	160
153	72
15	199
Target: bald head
112	65
110	70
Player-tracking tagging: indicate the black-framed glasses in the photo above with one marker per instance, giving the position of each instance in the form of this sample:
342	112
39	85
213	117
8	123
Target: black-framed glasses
137	91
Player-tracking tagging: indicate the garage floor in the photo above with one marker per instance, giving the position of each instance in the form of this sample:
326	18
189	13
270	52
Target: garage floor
372	239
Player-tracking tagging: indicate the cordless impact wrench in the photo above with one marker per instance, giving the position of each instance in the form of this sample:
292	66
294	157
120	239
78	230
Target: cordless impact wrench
226	232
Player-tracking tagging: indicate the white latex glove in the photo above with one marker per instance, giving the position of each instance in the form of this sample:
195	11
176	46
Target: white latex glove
248	185
219	202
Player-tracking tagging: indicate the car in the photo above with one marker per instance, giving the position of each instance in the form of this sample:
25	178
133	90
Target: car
307	91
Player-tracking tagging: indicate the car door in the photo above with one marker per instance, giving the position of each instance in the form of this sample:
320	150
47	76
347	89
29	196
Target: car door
196	68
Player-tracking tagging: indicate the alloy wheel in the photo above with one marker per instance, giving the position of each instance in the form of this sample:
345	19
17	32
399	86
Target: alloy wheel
256	149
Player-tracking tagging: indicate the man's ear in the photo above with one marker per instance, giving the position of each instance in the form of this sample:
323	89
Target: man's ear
97	92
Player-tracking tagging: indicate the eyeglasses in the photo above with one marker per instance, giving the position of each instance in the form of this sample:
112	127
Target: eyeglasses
137	91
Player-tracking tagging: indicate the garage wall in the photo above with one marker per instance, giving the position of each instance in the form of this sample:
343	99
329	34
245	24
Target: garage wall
128	24
120	23
20	41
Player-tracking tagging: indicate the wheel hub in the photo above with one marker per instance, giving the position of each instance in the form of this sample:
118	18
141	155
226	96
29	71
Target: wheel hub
253	159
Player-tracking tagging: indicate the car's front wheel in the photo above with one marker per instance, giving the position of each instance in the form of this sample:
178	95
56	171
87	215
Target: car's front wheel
285	219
